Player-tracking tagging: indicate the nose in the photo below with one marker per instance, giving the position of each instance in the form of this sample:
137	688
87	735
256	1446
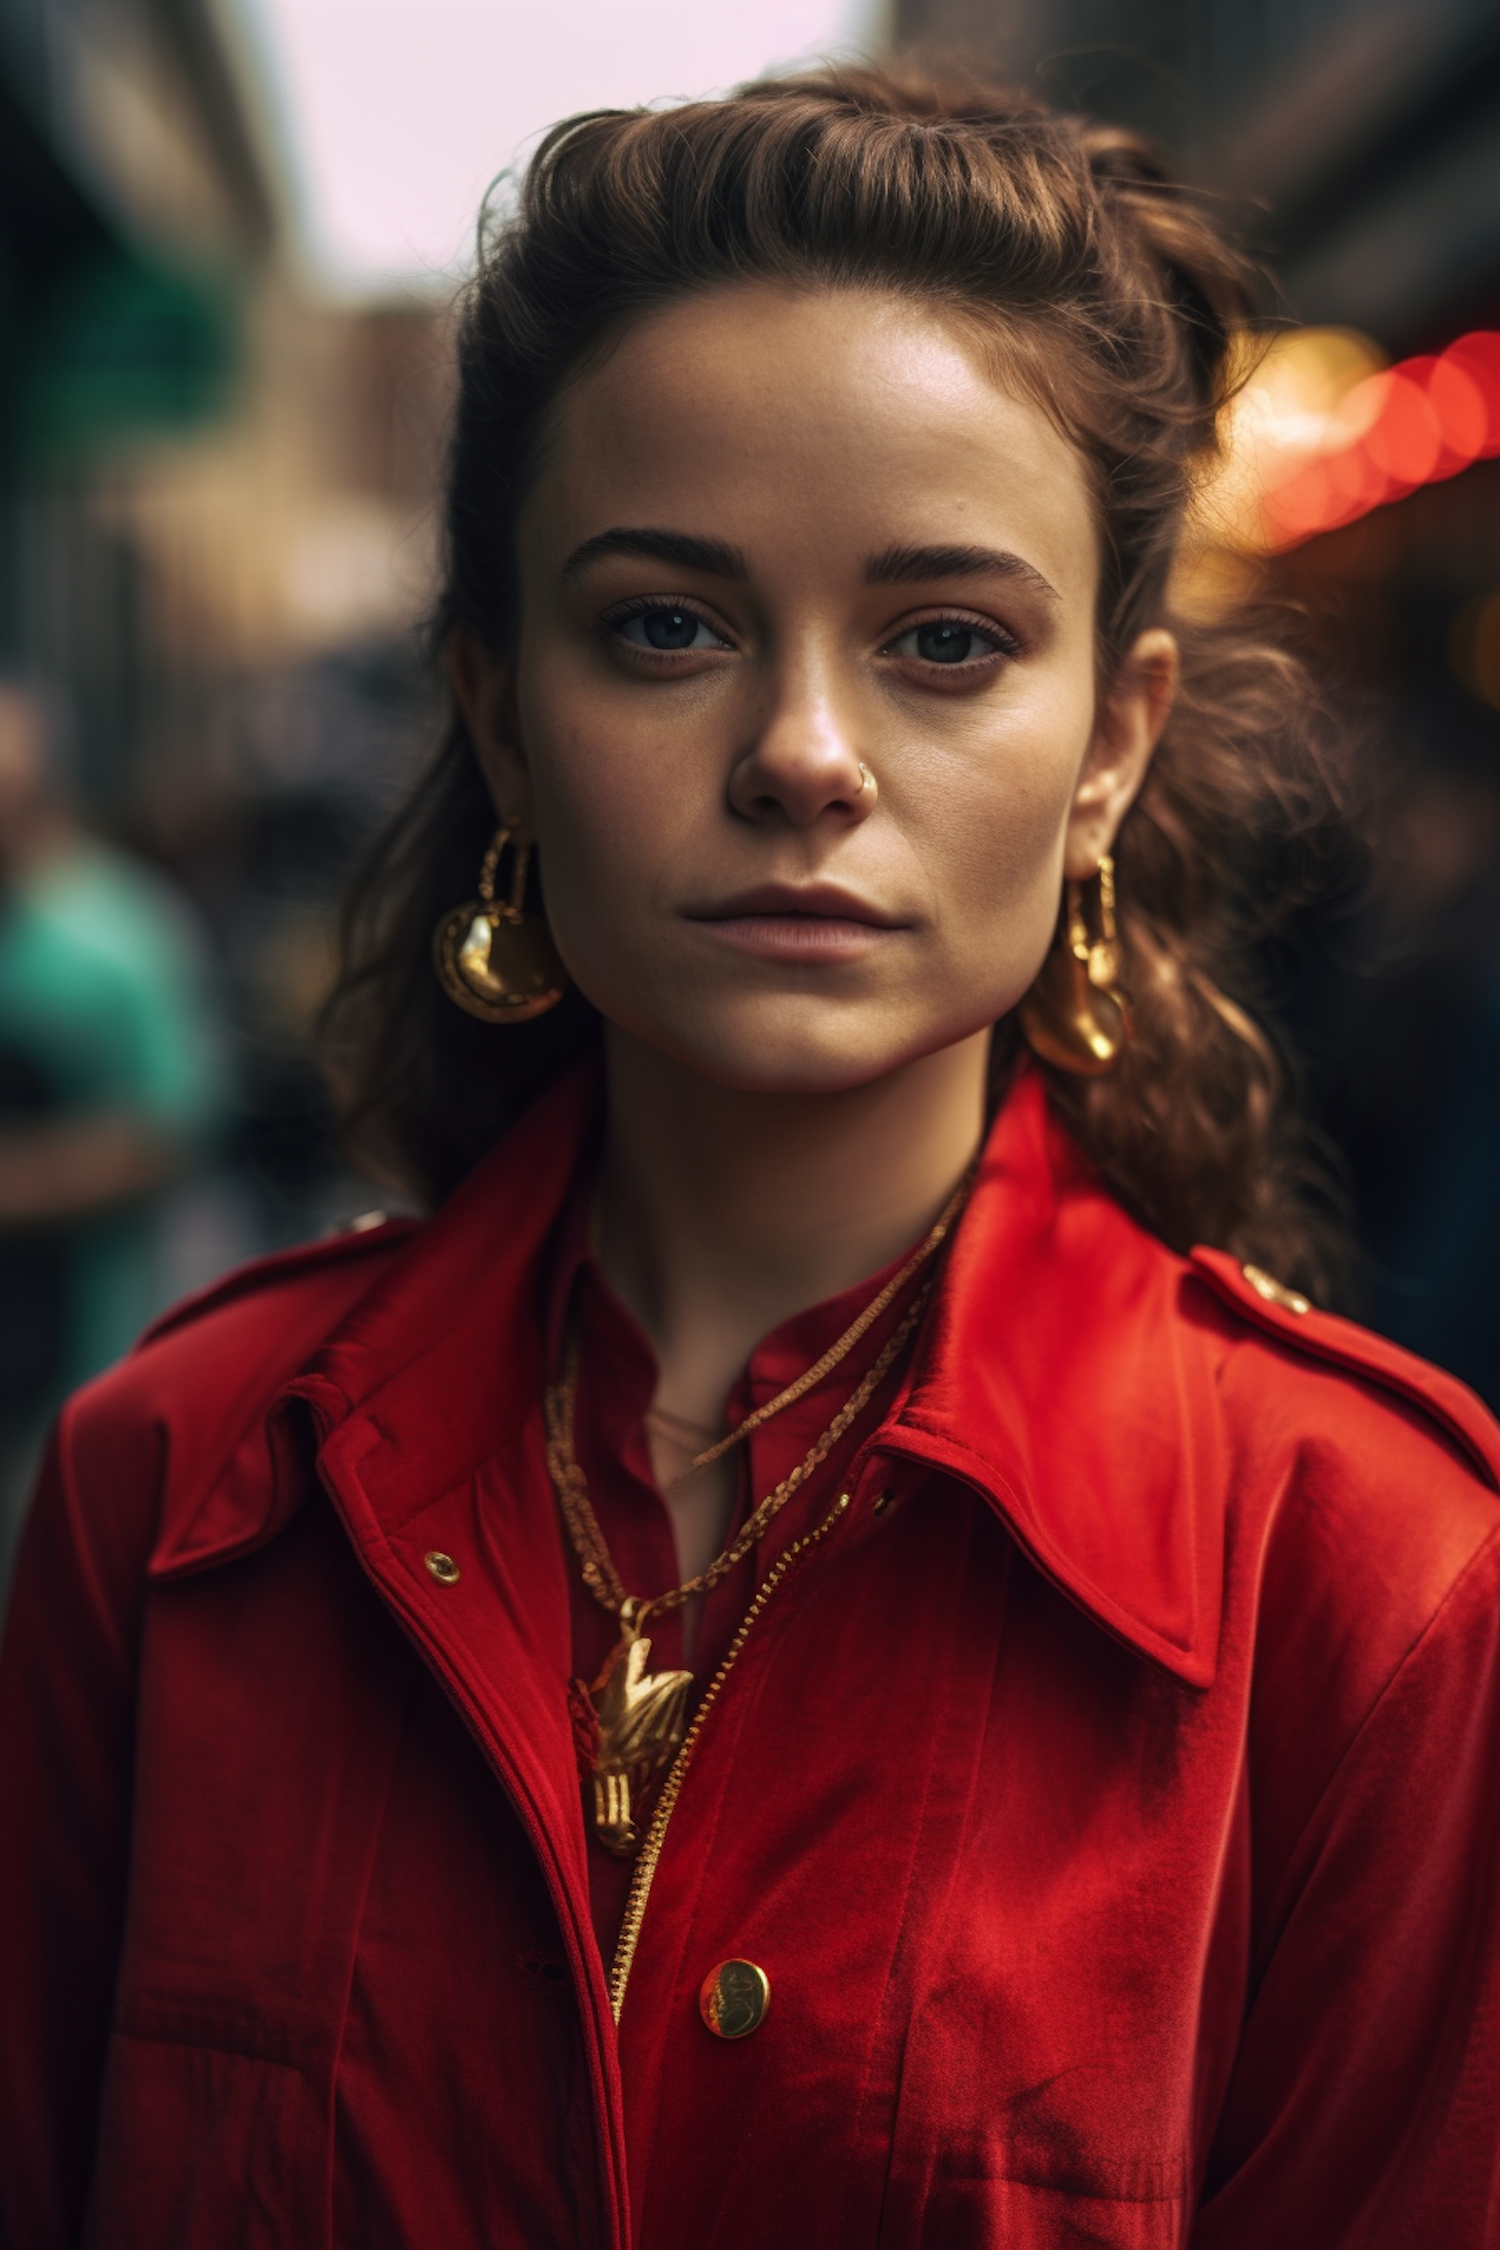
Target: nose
803	764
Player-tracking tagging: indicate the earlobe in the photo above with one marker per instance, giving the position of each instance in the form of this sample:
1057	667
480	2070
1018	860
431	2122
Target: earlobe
483	693
1129	726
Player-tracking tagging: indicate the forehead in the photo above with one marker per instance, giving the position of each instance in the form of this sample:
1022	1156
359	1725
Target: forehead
819	418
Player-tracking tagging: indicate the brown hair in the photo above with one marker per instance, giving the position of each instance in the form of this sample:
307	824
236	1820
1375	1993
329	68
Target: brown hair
1115	302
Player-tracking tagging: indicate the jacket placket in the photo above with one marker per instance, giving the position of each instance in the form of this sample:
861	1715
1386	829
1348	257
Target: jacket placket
496	1663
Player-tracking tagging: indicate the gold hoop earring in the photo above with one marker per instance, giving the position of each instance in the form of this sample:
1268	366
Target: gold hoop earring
1075	1016
495	960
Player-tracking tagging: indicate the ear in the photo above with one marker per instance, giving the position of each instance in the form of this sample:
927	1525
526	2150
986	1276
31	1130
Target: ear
483	690
1127	729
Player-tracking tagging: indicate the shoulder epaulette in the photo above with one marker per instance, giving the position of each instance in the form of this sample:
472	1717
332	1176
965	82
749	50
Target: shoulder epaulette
373	1230
1285	1313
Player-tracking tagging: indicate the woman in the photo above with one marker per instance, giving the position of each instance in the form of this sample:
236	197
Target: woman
794	1663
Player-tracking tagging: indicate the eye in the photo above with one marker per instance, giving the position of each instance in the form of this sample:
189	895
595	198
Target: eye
950	641
666	628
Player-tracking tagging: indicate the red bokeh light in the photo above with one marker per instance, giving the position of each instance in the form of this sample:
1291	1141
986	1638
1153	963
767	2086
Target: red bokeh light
1405	438
1425	419
1478	356
1359	481
1302	506
1458	405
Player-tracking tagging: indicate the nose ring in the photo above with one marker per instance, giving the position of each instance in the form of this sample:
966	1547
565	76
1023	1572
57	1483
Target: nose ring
866	782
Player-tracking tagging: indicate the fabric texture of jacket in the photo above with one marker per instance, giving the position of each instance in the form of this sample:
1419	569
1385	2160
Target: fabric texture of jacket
1107	1786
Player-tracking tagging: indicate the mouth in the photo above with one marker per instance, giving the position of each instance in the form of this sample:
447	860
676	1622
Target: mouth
816	922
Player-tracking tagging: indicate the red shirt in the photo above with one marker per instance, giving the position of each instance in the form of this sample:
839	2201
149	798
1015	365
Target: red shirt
617	1383
1108	1792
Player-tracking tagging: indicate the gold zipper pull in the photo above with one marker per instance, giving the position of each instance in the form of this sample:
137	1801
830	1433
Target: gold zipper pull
650	1851
613	1824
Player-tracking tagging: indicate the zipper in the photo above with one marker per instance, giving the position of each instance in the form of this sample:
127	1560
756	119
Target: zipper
651	1849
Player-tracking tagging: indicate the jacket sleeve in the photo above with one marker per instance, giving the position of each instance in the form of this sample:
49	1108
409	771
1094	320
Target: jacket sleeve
1363	2112
67	1673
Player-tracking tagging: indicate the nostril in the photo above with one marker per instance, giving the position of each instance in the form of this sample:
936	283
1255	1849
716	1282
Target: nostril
799	775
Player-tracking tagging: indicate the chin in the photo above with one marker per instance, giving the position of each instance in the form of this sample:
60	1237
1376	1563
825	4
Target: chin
792	1074
834	1054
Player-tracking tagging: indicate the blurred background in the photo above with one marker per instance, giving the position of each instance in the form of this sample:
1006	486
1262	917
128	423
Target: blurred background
229	234
1356	145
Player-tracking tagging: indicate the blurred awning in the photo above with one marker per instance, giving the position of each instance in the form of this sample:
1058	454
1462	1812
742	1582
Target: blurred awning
124	346
118	320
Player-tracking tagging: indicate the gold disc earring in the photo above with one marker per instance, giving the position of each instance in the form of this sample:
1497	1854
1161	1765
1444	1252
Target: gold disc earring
493	959
1075	1016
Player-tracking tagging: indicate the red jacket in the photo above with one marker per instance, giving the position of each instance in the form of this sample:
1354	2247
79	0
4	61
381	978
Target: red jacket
1109	1793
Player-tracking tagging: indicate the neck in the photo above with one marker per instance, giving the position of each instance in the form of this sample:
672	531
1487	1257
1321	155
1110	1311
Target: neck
724	1213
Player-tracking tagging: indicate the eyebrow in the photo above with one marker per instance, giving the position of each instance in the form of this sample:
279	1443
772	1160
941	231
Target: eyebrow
900	565
894	566
710	555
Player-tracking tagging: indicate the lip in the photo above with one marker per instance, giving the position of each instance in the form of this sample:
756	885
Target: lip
814	922
827	902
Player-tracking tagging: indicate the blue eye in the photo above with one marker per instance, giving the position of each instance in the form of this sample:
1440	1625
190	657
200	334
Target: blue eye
667	628
945	641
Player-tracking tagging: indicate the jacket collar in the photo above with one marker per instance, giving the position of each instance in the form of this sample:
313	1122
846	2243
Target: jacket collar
1053	1378
1064	1378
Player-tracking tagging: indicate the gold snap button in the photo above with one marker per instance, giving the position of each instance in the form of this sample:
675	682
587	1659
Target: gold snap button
733	1999
444	1569
1275	1292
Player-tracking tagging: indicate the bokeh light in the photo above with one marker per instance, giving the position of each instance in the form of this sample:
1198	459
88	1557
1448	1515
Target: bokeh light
1478	356
1321	432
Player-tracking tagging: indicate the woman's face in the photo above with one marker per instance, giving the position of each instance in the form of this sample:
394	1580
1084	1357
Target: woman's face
782	541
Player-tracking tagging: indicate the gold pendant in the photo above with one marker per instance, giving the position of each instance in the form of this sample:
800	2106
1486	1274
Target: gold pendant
642	1718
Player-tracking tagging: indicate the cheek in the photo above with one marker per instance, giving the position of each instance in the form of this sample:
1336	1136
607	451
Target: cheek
610	813
999	830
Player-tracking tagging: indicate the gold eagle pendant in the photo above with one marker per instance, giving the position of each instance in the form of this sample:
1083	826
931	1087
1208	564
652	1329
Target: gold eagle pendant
641	1719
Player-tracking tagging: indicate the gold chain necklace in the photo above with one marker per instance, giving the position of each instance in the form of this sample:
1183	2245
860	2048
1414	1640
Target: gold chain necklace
838	1351
629	1722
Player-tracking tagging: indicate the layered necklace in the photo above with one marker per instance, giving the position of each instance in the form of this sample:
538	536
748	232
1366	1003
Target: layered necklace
628	1722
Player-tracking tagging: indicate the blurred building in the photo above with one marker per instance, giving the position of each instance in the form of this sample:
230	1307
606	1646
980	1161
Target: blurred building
1356	143
201	468
1364	131
216	518
134	217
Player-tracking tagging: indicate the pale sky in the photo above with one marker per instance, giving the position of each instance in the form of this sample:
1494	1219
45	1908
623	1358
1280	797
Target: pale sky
394	115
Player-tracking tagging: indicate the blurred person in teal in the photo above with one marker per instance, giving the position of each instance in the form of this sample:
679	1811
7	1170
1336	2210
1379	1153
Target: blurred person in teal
109	1077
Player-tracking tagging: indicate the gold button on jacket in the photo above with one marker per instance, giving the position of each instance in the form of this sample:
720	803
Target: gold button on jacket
734	1998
